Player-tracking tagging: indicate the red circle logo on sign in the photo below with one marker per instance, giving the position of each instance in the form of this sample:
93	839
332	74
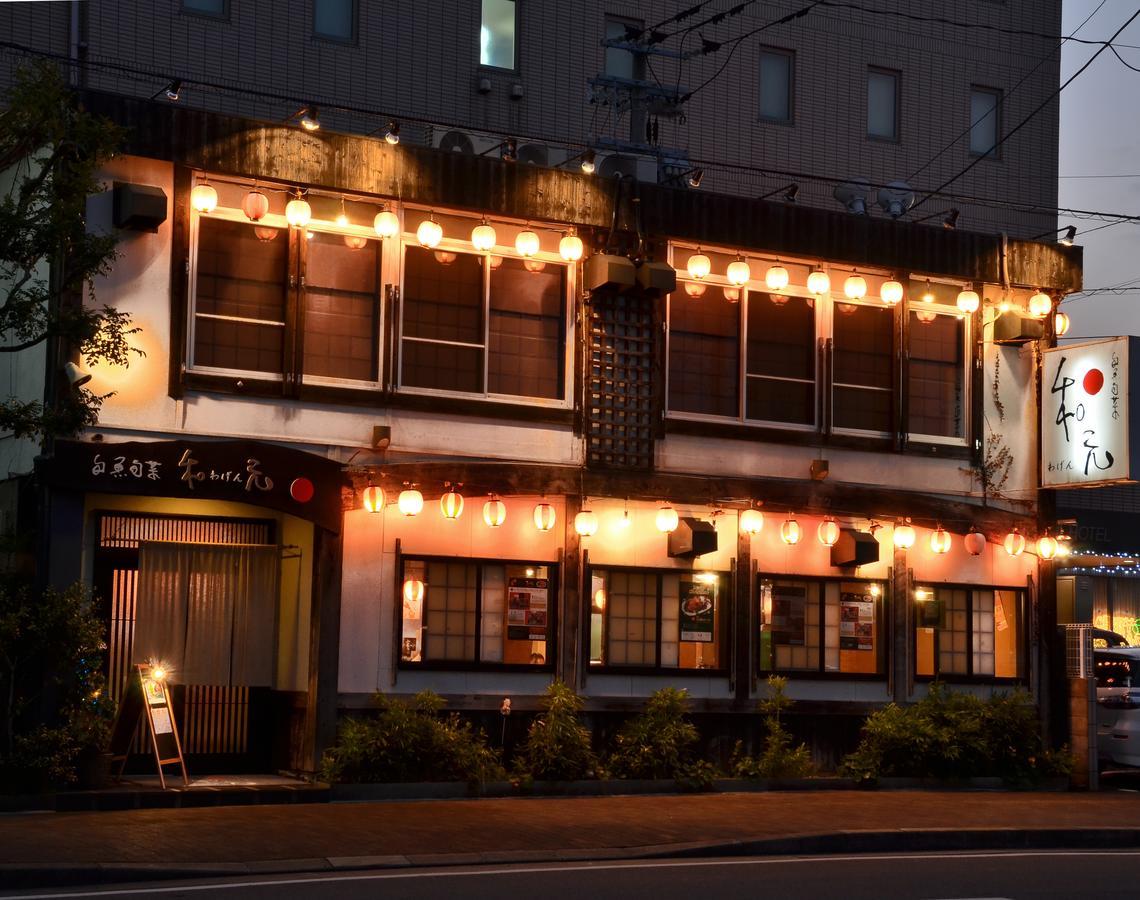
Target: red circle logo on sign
1093	382
301	490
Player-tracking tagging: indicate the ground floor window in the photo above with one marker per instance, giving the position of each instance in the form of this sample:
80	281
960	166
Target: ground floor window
820	626
652	619
965	632
460	612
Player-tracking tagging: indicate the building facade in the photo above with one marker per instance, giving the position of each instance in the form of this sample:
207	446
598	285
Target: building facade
471	425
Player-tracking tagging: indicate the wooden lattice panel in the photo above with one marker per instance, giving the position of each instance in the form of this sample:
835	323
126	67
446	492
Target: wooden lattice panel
619	396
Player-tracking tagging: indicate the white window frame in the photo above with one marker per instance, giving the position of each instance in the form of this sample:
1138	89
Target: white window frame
912	305
832	314
462	245
274	220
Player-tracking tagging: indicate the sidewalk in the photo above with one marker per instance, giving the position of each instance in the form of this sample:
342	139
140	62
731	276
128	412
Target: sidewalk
55	848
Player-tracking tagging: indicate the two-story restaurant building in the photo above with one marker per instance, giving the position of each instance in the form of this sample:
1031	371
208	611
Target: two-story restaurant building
412	419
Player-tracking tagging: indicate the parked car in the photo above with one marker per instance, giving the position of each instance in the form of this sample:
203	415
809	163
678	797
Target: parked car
1102	637
1118	705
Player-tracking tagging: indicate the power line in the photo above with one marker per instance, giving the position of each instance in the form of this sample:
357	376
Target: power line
1099	176
1123	60
1053	96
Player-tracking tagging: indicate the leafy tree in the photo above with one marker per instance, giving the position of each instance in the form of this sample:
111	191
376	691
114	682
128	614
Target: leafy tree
51	150
779	758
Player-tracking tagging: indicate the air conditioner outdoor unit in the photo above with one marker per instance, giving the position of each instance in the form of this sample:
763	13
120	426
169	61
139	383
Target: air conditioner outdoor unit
470	143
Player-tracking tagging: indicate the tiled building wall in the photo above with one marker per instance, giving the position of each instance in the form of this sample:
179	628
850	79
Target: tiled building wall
420	60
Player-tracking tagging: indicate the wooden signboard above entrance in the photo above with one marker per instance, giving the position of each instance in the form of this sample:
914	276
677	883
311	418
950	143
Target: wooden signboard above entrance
290	481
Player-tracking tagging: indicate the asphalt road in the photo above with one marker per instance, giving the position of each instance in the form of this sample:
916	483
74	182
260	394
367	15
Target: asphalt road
1017	876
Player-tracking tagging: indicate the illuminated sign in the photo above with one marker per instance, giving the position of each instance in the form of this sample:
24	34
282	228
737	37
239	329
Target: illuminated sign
1085	418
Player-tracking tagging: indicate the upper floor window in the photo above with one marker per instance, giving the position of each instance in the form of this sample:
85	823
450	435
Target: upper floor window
882	104
776	70
985	104
484	324
657	620
863	379
936	367
460	612
963	632
618	62
820	626
335	19
217	9
497	34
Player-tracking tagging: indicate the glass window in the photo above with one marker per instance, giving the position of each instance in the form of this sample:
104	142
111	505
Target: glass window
459	611
334	19
620	63
863	378
936	374
814	626
882	104
776	85
656	619
502	334
497	34
239	308
341	307
704	352
984	106
781	359
1116	671
968	632
216	8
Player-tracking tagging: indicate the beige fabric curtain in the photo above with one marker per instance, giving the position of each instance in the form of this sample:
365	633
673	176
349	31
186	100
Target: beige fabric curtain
208	611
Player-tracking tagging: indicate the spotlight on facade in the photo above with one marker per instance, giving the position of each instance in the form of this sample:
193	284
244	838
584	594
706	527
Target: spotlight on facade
392	135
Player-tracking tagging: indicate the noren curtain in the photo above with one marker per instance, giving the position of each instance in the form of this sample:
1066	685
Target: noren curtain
208	611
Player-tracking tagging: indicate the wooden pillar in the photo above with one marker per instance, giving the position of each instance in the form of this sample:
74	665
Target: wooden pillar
902	611
570	638
324	649
742	620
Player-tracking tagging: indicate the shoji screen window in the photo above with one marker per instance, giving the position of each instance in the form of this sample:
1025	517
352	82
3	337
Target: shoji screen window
969	633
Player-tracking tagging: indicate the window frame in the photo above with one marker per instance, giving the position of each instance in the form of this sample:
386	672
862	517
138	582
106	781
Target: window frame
994	152
790	55
354	30
460	665
897	76
1023	615
292	358
223	16
896	389
456	245
723	631
487	67
882	629
913	437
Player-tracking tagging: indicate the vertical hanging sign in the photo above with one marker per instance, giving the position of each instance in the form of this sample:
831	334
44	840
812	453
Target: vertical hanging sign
1086	421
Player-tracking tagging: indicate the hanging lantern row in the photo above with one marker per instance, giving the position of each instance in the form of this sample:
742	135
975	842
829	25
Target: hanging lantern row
410	503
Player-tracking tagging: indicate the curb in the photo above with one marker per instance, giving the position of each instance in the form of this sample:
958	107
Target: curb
901	840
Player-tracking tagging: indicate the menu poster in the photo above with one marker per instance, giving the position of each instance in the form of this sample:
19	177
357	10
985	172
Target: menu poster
527	610
789	603
856	621
161	719
698	606
1000	622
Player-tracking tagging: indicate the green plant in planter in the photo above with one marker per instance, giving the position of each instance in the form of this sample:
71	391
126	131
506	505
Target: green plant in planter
779	758
557	744
658	742
410	741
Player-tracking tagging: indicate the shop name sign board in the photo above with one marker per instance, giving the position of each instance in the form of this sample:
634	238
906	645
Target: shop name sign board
291	481
1086	421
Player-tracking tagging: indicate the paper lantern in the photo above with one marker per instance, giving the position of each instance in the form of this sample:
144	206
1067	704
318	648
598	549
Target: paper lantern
534	265
430	233
667	519
410	502
699	266
891	292
1061	324
819	282
968	301
599	599
940	540
738	272
451	505
413	590
1015	543
355	242
255	205
855	287
570	247
494	512
543	516
264	233
776	278
751	521
445	257
586	523
204	198
828	532
974	542
904	536
374	499
298	212
483	237
1039	305
790	531
1046	546
386	223
526	243
693	289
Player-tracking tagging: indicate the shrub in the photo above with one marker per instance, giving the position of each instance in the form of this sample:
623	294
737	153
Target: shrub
779	758
410	741
950	735
659	741
557	744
